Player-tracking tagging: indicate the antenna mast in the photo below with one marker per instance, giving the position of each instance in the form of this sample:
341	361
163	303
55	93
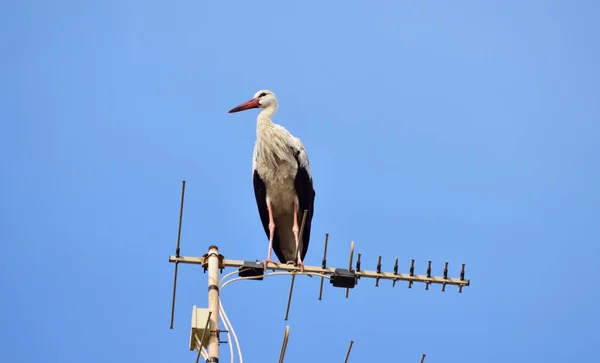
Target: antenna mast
213	304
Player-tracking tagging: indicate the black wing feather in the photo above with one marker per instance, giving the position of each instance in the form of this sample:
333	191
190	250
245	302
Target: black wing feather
260	193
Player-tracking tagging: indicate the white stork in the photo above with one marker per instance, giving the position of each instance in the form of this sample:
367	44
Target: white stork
283	184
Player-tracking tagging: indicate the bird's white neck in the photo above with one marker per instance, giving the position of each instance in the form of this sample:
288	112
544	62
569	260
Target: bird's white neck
268	111
263	121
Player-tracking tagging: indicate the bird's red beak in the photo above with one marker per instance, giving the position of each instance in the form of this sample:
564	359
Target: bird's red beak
253	103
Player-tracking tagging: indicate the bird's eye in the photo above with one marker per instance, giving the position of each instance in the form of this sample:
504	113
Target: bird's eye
262	94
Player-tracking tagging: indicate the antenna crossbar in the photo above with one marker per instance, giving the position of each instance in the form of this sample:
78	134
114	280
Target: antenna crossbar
440	280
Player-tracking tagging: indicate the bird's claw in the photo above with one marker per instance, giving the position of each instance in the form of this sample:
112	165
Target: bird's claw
300	265
265	262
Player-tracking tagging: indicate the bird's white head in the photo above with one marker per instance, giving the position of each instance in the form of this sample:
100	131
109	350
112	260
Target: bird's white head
264	99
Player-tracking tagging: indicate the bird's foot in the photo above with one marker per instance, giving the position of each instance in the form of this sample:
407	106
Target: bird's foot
300	265
265	262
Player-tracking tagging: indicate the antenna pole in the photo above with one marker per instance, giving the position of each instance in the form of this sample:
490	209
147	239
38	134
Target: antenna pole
213	304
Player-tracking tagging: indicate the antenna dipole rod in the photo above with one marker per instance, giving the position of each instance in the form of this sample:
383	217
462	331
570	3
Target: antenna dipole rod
423	358
286	336
350	264
462	277
213	303
357	265
287	310
445	276
378	271
177	251
174	293
395	271
412	273
323	265
349	349
428	274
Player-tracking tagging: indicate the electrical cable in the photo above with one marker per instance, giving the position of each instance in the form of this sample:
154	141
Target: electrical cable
227	327
225	318
237	343
272	274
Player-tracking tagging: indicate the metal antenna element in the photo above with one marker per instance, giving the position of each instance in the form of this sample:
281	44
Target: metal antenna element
357	266
462	277
350	264
423	358
199	342
445	276
286	336
428	274
287	310
378	271
177	250
323	265
395	272
349	349
412	272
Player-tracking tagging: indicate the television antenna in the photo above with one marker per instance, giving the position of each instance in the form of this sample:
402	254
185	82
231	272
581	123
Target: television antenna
205	331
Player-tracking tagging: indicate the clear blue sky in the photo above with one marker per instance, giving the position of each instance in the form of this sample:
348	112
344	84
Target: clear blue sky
462	131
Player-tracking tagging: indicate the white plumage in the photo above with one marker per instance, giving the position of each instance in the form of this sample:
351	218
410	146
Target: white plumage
282	180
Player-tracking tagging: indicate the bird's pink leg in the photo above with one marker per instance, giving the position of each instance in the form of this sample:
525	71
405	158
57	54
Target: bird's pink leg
296	230
271	232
